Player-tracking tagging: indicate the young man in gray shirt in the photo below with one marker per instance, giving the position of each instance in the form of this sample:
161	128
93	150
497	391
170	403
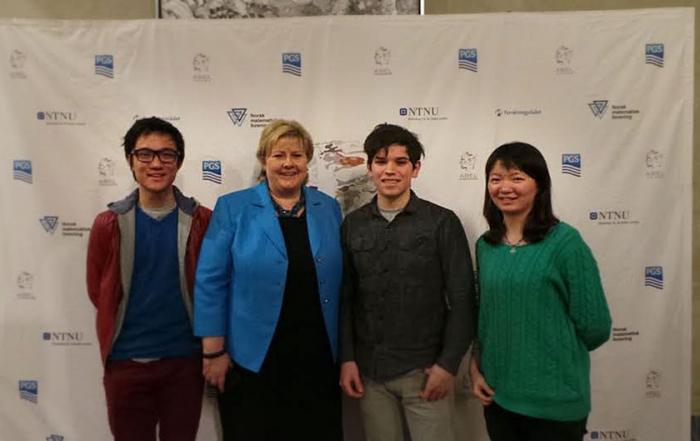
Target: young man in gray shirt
407	309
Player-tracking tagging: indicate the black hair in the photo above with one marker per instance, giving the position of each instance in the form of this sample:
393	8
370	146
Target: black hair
385	135
146	126
530	161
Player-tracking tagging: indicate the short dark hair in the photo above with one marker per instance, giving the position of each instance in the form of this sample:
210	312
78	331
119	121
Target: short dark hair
146	126
530	161
385	135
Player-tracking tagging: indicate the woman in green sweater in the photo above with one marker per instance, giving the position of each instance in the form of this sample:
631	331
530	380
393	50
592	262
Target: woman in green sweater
542	307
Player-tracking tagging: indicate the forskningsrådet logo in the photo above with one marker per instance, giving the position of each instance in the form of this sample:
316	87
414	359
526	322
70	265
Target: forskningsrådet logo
105	169
467	59
654	54
29	390
25	286
571	164
169	118
619	111
63	338
17	60
654	277
422	113
467	164
382	59
200	65
291	63
22	171
517	112
211	171
104	65
562	59
59	118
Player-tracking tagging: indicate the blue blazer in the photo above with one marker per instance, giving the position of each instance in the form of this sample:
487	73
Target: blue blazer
242	270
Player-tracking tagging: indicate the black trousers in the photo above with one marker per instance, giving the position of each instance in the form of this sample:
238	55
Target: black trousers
259	408
504	425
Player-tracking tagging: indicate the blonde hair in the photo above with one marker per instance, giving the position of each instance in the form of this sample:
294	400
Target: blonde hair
273	132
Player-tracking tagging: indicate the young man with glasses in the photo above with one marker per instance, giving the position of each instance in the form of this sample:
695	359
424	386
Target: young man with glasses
141	260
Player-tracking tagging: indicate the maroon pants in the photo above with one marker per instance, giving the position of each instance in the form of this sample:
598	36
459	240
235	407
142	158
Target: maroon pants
165	392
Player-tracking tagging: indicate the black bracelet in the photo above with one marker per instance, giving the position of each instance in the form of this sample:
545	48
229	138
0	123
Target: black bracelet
214	354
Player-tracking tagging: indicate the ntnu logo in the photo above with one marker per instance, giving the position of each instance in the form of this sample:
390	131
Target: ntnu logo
419	111
654	54
62	336
104	65
29	390
211	171
611	434
654	277
22	171
56	116
468	59
571	164
609	215
291	63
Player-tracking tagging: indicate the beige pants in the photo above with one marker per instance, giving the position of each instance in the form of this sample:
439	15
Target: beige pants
384	401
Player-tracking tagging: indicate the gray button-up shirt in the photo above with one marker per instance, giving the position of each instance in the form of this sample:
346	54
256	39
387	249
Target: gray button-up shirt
408	297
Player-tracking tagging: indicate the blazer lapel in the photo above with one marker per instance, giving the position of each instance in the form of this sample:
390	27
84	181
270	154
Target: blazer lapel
313	222
267	218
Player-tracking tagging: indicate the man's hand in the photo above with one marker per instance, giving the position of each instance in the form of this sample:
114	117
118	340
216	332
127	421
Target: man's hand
350	380
439	384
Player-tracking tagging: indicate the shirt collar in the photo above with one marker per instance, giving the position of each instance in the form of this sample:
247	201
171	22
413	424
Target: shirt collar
410	208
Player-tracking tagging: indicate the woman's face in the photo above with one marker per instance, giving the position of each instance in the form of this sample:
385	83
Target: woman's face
512	191
286	166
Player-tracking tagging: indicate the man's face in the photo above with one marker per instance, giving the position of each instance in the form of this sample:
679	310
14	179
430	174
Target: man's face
391	171
154	177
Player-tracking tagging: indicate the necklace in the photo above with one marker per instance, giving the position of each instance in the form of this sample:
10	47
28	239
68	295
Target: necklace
513	245
294	212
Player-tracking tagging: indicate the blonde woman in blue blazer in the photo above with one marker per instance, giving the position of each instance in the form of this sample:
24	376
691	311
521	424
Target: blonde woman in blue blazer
266	299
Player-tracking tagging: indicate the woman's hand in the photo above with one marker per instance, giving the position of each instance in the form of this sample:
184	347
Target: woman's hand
480	388
214	369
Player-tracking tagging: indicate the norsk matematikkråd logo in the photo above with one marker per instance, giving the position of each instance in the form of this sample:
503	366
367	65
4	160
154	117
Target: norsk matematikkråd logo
598	107
291	63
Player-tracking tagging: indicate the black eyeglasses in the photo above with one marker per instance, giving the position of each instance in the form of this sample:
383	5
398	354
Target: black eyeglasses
166	156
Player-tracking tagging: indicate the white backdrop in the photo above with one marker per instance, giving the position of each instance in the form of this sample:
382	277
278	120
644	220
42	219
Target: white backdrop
607	96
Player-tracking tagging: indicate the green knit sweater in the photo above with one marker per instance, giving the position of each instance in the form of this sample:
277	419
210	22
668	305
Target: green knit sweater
542	310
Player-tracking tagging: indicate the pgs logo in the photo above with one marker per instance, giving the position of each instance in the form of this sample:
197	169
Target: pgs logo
104	65
291	63
571	164
654	54
22	171
29	390
654	277
467	59
211	171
